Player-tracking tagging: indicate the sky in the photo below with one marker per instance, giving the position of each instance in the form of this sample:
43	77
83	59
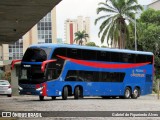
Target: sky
71	9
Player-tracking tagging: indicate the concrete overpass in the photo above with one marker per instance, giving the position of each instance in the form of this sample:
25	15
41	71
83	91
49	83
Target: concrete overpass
19	16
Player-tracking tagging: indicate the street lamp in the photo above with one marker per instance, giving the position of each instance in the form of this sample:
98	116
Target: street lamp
135	34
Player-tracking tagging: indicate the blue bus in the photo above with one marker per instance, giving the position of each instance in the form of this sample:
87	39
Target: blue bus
60	70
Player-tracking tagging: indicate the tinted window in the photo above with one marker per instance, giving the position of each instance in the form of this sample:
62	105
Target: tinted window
144	58
93	76
103	56
73	75
149	58
89	55
140	58
115	57
36	54
112	77
74	53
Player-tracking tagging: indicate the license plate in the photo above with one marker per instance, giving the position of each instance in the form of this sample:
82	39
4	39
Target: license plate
28	93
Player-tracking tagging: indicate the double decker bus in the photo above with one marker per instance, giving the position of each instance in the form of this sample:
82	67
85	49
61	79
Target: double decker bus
56	70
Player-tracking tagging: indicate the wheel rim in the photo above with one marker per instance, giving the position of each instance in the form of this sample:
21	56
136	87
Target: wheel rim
127	93
135	92
79	92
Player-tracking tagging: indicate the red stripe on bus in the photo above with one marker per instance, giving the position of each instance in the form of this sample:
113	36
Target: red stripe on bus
44	90
103	65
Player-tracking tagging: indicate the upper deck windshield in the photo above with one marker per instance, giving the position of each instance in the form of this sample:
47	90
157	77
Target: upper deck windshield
36	54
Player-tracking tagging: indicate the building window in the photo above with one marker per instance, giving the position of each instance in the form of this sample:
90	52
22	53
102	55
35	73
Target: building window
44	28
16	50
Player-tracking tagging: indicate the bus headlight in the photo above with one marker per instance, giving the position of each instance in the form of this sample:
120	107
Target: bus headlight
20	88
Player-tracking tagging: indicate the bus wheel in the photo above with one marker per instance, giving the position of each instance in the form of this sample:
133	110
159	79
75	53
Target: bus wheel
105	97
127	93
65	93
41	98
136	93
77	93
53	97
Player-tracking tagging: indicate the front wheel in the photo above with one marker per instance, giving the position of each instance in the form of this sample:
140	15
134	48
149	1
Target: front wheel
127	93
136	93
41	98
65	93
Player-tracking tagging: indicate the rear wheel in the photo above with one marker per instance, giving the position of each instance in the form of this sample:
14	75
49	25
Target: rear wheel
65	93
127	93
136	93
106	97
41	98
78	93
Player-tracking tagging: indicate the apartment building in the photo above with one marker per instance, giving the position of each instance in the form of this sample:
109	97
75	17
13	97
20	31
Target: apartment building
74	25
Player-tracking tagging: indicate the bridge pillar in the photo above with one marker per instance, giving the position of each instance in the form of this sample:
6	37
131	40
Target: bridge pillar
14	80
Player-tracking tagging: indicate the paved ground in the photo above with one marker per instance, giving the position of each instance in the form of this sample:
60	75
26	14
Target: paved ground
32	103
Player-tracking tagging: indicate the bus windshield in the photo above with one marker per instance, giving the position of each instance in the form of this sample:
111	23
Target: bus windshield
36	54
31	75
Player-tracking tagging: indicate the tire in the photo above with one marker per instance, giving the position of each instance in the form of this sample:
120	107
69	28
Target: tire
65	93
136	93
41	98
127	93
78	93
10	95
114	97
53	97
105	97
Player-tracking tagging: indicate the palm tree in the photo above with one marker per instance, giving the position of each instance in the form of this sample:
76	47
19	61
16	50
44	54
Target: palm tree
117	14
80	36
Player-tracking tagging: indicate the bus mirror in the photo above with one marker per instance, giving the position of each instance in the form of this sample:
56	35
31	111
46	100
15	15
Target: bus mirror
13	63
44	63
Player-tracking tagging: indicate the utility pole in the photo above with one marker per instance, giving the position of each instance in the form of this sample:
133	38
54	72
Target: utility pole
135	34
158	88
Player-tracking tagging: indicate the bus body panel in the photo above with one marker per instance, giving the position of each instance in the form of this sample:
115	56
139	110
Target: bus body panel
140	77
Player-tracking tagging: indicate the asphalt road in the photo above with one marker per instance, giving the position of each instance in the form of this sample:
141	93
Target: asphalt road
32	103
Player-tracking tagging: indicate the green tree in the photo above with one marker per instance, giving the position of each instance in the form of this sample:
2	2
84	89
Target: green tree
2	74
91	44
80	36
148	38
114	27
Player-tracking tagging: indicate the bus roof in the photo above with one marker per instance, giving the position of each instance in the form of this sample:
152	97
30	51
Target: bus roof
51	45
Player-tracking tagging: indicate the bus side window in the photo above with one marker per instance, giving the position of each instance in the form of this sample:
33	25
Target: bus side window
103	56
74	53
71	75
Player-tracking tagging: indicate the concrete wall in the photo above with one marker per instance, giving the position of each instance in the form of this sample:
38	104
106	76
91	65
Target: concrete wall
5	52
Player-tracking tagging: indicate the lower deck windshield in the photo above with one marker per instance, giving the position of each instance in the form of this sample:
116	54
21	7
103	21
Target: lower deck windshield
32	74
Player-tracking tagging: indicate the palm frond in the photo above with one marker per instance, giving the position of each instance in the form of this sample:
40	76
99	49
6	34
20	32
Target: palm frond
103	25
100	18
107	10
108	6
134	8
